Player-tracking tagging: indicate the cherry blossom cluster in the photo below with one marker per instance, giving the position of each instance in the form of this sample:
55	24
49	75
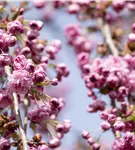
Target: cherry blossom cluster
117	81
118	84
111	71
25	61
77	39
127	142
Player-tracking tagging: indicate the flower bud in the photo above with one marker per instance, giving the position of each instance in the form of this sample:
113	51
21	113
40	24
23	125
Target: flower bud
32	34
37	137
59	127
54	142
73	9
105	125
85	134
54	81
90	141
39	4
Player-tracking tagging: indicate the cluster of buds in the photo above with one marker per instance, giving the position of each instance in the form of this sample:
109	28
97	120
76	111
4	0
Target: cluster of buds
7	125
76	38
94	145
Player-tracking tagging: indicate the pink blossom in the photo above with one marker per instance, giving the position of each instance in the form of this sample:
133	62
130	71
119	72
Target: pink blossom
39	113
20	62
4	144
43	147
39	4
5	99
15	27
20	82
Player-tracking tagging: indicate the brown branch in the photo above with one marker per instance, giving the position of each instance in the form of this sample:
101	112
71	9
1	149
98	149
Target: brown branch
105	30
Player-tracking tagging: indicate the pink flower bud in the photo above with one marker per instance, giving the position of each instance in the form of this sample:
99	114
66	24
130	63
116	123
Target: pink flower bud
32	34
83	58
67	125
60	135
39	4
73	8
36	25
54	81
5	99
25	51
90	141
30	66
39	75
85	134
118	5
105	125
133	27
54	102
62	69
4	144
95	146
57	44
39	47
131	37
15	27
54	142
12	41
43	147
20	62
51	50
44	59
59	127
111	118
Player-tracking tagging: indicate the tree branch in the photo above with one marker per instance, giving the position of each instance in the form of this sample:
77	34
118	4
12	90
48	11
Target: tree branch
105	30
18	116
26	114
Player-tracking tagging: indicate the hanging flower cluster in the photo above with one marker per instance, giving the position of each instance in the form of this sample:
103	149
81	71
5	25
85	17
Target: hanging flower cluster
25	60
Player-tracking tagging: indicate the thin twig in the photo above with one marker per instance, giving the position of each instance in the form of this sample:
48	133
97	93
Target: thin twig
113	104
25	114
105	29
18	116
